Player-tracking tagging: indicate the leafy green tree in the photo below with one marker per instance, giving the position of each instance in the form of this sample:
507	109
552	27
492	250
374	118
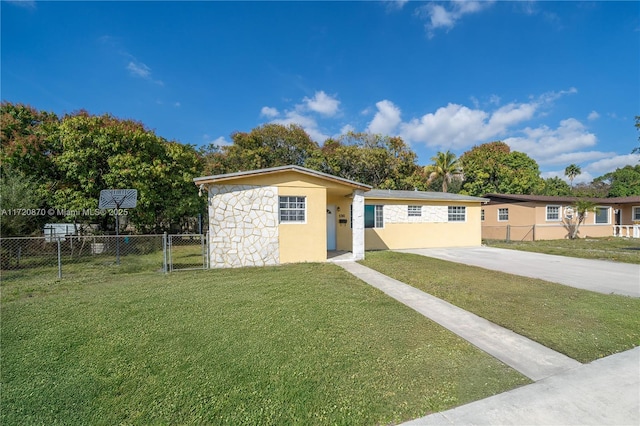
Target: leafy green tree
27	138
445	166
494	168
380	161
270	145
573	220
71	159
554	186
18	193
101	152
623	182
571	171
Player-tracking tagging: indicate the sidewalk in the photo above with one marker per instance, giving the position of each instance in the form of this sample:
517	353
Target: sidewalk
606	391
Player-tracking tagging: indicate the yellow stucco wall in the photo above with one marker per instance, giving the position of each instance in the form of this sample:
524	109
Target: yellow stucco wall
425	235
305	242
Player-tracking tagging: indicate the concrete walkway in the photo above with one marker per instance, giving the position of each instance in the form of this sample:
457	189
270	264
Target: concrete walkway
604	392
595	275
522	354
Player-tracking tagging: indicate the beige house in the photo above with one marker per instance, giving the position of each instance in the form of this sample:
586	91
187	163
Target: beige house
538	217
293	214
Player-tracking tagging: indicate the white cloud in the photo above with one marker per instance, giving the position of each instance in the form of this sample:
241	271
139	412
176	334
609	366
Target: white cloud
27	4
309	124
346	129
220	141
396	4
547	145
609	164
386	119
457	126
269	112
593	115
139	69
177	104
447	15
322	103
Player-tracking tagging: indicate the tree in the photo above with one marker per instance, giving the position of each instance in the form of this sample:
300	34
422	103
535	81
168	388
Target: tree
445	166
270	145
18	195
571	171
69	160
494	168
554	186
623	182
576	216
380	161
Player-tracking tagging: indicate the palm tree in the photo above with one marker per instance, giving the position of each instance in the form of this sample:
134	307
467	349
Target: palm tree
446	166
571	172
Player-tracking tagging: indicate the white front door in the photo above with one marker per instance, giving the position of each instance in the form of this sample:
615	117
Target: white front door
331	227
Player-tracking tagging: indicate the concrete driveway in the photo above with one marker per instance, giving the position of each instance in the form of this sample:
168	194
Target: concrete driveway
595	275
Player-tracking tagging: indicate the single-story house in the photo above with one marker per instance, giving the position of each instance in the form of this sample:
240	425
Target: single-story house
294	214
540	217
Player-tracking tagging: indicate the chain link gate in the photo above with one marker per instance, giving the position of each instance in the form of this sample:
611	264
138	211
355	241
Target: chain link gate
187	252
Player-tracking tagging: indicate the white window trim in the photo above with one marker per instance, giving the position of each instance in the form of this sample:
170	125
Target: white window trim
457	221
595	215
292	222
498	212
546	211
635	209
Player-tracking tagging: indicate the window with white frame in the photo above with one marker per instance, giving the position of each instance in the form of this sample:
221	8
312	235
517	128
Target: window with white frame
373	217
553	213
457	214
636	214
482	214
293	209
602	215
503	215
414	211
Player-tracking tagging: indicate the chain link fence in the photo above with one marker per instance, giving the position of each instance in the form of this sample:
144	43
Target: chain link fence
56	254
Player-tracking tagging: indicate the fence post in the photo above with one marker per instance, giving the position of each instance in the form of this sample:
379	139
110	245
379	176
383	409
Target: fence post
59	260
206	248
534	232
164	253
508	233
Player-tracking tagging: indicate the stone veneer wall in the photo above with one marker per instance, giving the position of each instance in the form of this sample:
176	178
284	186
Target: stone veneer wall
430	214
243	226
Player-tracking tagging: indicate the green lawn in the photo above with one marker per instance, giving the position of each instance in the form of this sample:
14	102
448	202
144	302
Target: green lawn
295	344
610	248
581	324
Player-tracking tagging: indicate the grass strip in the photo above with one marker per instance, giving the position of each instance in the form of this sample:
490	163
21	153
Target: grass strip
626	250
581	324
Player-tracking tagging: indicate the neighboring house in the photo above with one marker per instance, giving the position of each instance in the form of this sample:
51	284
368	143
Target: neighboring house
293	214
540	217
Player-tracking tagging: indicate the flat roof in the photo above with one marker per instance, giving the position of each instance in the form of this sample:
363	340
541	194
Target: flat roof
391	194
280	169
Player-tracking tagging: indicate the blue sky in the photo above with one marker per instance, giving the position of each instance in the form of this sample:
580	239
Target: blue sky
559	81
